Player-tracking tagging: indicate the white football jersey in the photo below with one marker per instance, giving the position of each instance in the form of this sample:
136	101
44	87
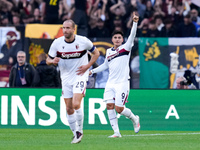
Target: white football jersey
118	63
117	60
73	55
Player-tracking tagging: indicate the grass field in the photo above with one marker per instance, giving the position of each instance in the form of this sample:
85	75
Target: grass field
55	139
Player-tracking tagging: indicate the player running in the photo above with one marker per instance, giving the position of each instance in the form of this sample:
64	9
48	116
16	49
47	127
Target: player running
70	53
117	87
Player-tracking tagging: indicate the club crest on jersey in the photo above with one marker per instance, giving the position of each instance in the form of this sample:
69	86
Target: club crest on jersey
77	46
63	47
114	55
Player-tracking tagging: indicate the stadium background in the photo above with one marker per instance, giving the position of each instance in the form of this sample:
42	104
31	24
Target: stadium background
152	105
169	118
154	54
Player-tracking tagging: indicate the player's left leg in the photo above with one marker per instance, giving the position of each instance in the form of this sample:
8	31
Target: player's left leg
128	113
79	89
77	98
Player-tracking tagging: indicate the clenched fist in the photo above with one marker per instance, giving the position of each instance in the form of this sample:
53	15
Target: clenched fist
135	17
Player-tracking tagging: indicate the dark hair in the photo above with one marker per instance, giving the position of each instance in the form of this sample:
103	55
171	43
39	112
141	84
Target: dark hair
180	3
42	56
16	15
117	32
187	16
168	21
158	17
152	22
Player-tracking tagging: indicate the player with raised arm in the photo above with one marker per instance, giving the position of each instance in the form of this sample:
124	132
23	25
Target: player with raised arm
70	53
117	87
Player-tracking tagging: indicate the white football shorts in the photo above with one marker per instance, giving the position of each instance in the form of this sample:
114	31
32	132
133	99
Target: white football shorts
117	93
69	90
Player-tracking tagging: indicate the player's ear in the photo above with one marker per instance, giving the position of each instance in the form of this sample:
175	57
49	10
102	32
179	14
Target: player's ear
112	39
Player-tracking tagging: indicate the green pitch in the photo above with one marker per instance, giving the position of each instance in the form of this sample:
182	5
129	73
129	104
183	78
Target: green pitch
50	139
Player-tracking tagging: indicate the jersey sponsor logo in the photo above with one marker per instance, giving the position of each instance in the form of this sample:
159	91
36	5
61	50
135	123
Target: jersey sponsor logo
63	55
118	53
71	55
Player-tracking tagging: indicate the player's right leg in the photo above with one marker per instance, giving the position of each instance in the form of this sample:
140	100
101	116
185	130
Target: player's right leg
71	115
108	97
67	95
113	119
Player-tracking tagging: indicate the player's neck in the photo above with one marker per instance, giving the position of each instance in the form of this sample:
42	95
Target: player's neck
115	46
71	39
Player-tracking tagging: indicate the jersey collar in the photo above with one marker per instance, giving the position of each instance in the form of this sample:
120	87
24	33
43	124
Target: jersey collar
71	41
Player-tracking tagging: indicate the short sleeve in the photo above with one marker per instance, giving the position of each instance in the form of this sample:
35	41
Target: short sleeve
89	45
53	49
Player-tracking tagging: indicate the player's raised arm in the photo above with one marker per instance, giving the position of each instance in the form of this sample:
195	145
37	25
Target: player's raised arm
133	30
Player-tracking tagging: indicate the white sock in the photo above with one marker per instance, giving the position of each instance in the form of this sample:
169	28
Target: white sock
113	120
127	113
72	123
79	119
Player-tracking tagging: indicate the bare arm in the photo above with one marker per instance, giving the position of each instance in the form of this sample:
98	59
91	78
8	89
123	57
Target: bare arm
94	57
9	5
60	8
51	61
89	3
43	7
103	10
187	6
94	8
82	69
120	4
67	8
169	7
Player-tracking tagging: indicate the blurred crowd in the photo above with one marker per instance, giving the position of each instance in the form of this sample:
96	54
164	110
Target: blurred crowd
98	18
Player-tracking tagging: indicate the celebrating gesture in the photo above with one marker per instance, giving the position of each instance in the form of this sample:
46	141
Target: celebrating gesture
135	17
117	87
